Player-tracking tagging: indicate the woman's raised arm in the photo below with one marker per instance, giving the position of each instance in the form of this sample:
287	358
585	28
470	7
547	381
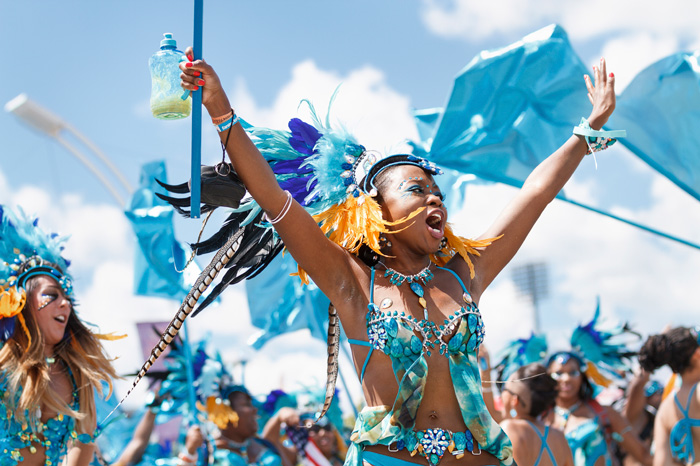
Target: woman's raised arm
326	263
542	186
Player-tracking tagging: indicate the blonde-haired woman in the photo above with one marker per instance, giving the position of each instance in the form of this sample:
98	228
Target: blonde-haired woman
50	362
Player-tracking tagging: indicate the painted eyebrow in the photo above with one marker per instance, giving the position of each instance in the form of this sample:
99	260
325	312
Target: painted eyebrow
51	288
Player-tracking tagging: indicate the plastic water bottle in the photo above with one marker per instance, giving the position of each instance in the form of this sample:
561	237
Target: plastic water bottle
169	101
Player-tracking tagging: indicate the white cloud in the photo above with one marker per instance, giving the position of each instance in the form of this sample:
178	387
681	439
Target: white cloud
377	115
623	53
633	36
477	20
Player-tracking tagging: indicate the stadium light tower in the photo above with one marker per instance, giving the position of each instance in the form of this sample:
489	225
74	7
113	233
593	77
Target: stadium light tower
532	280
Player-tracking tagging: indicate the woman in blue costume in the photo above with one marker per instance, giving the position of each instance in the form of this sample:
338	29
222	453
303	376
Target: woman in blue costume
415	327
677	425
589	427
50	362
528	398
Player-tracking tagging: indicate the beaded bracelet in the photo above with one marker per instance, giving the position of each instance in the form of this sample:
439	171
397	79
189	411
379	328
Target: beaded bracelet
597	140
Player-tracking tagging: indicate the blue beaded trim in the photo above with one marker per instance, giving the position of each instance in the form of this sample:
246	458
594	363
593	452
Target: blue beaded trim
432	444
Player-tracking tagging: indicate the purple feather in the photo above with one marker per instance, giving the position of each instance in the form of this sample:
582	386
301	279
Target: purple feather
284	167
296	187
7	328
304	136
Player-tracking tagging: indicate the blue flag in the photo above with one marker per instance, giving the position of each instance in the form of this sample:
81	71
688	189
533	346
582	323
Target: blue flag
159	255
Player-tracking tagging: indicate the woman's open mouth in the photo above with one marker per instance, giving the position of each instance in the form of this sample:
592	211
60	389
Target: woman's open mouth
436	223
62	319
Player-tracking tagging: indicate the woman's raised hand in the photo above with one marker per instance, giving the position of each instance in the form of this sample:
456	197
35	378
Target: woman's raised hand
199	75
601	93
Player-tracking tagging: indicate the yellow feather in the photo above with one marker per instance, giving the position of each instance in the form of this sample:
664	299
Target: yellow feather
462	246
219	412
359	221
109	336
12	301
670	386
20	317
355	222
594	374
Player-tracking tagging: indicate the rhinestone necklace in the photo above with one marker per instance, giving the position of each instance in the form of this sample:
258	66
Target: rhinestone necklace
414	282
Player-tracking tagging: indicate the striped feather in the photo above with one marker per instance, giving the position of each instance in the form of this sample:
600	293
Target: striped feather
333	348
205	279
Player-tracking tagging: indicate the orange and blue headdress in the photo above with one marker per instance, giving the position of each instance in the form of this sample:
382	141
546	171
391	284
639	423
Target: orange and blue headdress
601	353
25	252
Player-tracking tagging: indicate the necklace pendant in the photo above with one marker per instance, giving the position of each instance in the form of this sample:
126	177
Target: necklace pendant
417	289
425	312
423	303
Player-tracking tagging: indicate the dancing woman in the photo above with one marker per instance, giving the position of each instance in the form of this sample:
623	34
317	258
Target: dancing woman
528	397
236	442
50	362
589	427
380	239
677	424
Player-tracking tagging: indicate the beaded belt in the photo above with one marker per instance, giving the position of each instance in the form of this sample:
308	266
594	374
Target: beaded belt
434	443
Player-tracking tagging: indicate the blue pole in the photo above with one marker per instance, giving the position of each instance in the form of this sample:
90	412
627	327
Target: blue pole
197	115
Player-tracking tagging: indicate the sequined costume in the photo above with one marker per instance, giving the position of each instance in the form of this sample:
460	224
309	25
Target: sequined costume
681	436
268	456
588	444
458	339
53	435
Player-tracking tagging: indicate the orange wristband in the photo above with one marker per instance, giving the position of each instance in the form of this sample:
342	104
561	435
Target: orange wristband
221	119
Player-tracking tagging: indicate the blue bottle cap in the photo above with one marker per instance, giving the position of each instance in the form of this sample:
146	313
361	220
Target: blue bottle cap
168	41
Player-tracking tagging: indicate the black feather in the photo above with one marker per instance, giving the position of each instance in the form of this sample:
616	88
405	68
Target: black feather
182	188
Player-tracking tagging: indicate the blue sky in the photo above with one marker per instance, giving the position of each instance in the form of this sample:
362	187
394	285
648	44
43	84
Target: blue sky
87	62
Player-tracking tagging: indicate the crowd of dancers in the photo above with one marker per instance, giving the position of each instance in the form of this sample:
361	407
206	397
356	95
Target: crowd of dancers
371	231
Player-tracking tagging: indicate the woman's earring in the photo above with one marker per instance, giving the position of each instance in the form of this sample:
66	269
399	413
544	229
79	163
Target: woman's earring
443	242
383	242
513	413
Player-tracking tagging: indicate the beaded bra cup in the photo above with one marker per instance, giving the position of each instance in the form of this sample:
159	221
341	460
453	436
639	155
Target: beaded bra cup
383	331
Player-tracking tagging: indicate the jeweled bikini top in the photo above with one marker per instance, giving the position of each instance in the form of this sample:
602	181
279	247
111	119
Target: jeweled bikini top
394	332
409	342
15	435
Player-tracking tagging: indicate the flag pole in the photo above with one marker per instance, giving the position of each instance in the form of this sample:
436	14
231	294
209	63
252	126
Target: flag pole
196	115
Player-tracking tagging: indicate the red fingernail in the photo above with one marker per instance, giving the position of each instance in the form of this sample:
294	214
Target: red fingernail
200	82
612	75
197	73
195	88
188	65
190	57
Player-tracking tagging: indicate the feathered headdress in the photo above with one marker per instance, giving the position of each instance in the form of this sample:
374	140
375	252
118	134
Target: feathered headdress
25	251
602	353
212	384
519	353
329	174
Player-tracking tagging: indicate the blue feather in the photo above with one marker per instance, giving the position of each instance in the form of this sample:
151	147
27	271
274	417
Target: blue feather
285	167
304	136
